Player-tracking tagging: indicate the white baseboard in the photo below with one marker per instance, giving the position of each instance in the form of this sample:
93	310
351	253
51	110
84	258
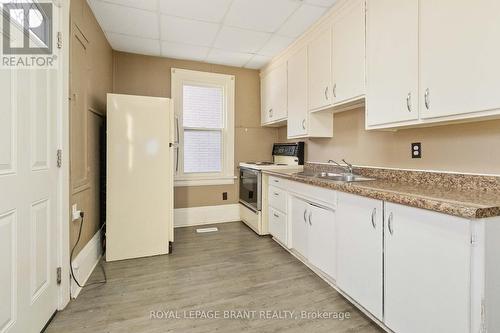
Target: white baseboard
85	262
184	217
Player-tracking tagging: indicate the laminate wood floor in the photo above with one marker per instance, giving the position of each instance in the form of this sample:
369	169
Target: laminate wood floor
230	270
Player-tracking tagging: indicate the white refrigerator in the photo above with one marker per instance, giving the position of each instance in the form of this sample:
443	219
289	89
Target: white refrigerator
139	198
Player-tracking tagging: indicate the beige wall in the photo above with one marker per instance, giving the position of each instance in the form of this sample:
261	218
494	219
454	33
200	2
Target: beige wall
472	147
150	76
91	73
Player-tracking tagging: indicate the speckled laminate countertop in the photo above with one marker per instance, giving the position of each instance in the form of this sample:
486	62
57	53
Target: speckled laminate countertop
466	196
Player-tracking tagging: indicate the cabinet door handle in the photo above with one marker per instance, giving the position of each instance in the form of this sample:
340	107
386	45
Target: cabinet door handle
389	224
374	212
326	92
303	124
305	213
310	222
408	102
335	90
427	99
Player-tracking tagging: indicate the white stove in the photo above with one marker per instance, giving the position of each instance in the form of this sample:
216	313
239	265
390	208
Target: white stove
286	156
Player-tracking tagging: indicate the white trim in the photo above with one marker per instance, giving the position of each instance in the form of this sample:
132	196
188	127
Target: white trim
62	237
227	82
201	182
184	217
85	262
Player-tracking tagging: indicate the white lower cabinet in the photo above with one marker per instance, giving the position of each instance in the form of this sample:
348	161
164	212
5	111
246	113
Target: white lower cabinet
427	271
321	239
299	225
359	250
277	225
313	234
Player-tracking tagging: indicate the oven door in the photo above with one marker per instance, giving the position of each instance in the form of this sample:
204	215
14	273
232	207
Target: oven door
251	188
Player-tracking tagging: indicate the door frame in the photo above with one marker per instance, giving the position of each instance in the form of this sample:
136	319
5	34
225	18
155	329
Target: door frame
63	211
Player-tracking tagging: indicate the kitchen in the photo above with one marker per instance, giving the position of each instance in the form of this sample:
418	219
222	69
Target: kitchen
265	166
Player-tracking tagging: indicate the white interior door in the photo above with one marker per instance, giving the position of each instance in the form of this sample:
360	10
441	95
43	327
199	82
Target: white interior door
28	198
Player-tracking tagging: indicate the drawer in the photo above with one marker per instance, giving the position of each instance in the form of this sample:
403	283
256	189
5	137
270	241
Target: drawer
278	182
277	225
277	198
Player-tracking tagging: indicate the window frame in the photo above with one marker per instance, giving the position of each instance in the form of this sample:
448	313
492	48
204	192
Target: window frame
179	78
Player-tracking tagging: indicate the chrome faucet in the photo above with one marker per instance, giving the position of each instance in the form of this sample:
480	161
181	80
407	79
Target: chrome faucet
348	167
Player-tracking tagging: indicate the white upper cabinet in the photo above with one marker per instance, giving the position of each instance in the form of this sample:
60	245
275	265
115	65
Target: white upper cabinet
302	123
349	54
359	250
297	94
274	95
427	271
460	57
320	70
392	61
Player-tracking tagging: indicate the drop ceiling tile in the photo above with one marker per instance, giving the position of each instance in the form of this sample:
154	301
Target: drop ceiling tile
184	51
260	15
275	45
133	44
212	11
302	19
126	20
143	4
174	29
240	40
324	3
257	62
228	58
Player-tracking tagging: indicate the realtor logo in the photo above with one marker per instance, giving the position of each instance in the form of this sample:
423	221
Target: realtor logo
27	34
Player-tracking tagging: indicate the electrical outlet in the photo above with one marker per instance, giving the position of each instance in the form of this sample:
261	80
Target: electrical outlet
224	195
416	150
75	213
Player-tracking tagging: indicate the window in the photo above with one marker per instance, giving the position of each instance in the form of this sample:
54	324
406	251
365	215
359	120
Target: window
204	111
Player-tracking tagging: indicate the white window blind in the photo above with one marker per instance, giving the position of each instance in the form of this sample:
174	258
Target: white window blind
204	110
202	119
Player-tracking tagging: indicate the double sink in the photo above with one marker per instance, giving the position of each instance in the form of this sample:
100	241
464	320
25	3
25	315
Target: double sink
338	177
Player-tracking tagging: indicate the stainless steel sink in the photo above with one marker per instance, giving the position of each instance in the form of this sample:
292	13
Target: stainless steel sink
339	177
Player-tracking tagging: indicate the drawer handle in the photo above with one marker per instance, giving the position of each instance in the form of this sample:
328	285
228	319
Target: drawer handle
276	193
276	181
276	215
374	212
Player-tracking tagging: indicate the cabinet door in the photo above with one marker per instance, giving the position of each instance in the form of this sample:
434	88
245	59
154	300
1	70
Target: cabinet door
359	250
320	71
427	271
265	99
459	57
321	239
277	225
300	226
297	94
349	54
392	61
274	94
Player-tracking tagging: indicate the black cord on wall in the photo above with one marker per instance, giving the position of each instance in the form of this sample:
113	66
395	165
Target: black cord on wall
71	258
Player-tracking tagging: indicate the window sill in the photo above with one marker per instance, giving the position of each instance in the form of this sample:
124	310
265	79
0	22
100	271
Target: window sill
204	182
